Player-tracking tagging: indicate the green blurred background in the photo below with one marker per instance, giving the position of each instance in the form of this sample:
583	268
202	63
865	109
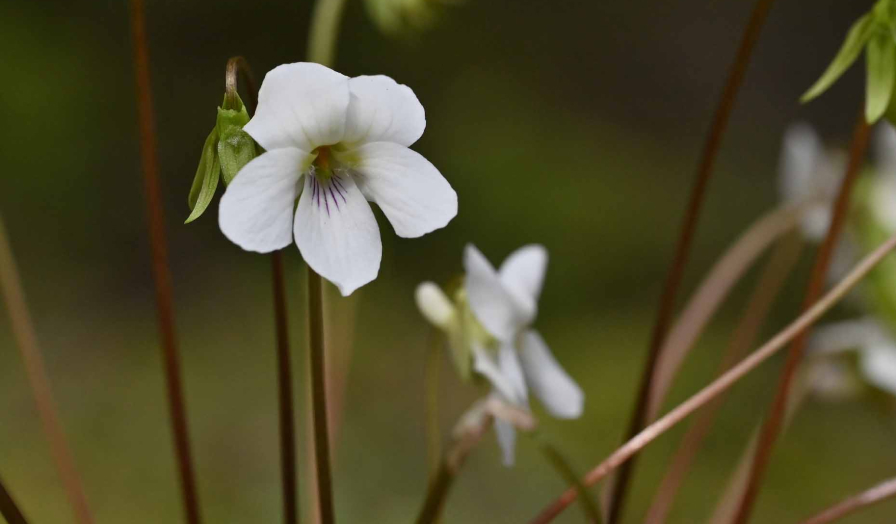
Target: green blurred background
573	124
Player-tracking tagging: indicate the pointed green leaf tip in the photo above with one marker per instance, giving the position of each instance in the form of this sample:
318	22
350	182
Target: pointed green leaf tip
856	39
206	180
881	56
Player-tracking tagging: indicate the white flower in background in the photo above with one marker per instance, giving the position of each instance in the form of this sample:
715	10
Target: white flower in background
334	143
875	347
513	356
809	172
883	194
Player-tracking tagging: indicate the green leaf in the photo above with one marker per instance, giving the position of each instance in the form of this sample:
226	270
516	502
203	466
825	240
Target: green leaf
206	180
881	57
858	36
228	118
235	149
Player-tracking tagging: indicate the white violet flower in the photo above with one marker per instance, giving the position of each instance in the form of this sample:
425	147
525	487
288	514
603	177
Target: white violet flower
334	143
873	343
809	172
515	359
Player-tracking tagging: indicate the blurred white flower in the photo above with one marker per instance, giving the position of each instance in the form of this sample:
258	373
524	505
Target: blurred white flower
506	302
883	193
874	345
334	143
810	173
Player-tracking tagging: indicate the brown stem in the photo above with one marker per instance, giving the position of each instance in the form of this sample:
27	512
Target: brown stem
8	508
319	399
879	493
723	383
160	270
774	274
286	411
682	251
38	380
772	426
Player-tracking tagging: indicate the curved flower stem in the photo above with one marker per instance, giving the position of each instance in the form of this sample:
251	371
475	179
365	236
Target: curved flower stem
879	493
8	508
431	377
774	274
288	476
324	27
711	148
39	381
712	291
160	270
721	384
589	506
773	423
441	482
319	399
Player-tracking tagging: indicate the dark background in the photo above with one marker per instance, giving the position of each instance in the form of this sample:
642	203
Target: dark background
573	124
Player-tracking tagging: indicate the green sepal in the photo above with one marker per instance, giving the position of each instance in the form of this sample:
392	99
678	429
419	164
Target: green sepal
206	180
881	57
859	34
235	147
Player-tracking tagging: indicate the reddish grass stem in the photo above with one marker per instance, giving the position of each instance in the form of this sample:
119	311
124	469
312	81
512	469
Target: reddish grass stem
879	493
689	225
774	274
38	379
9	509
723	383
772	426
160	269
319	399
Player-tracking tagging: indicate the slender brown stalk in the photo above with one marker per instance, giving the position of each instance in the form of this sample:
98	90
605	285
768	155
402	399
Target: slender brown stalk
711	148
723	383
879	493
38	380
712	291
431	371
160	270
772	426
9	509
286	411
319	399
288	475
774	274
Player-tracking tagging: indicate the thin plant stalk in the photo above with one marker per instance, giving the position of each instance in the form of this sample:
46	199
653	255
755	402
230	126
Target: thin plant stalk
440	483
431	372
727	505
723	383
319	399
286	411
8	508
772	426
774	274
39	381
593	514
875	495
160	270
339	323
712	291
325	21
619	488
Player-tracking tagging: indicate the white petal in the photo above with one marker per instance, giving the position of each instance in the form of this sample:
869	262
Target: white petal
486	366
879	366
382	110
500	310
506	434
799	159
510	367
435	305
412	193
301	105
551	384
337	233
256	210
524	270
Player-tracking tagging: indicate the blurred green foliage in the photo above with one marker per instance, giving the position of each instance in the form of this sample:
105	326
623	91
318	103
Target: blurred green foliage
572	124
